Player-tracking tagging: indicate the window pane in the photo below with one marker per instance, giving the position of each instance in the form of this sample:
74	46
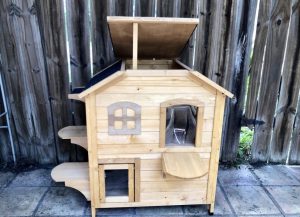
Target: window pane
181	125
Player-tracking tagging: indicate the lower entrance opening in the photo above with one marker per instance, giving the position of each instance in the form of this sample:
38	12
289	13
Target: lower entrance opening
116	183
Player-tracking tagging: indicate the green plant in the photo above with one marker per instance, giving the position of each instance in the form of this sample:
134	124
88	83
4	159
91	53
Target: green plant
246	138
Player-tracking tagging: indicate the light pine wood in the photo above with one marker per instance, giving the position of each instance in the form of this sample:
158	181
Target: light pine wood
137	179
143	155
157	176
77	135
117	199
102	183
147	148
184	165
216	142
153	113
92	150
149	99
74	175
153	125
181	101
162	129
180	201
123	19
154	34
131	183
135	46
200	126
75	97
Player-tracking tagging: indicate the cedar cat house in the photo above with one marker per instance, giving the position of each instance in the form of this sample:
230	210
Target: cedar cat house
154	125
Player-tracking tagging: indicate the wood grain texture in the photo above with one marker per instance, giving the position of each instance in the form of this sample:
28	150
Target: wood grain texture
258	55
103	54
54	44
26	81
77	27
215	37
154	34
74	175
268	93
236	65
215	153
288	94
184	165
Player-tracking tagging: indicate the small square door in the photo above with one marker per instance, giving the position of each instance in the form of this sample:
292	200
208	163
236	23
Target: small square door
117	183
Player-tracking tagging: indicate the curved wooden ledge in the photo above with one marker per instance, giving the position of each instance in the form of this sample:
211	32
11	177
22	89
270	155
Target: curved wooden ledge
77	135
74	175
184	165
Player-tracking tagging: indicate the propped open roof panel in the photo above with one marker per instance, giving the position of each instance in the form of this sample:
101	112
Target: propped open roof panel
157	37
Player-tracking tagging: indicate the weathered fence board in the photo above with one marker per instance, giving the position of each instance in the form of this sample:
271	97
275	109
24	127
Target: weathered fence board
54	42
103	54
234	78
288	95
26	82
214	45
258	55
293	91
268	92
77	28
202	36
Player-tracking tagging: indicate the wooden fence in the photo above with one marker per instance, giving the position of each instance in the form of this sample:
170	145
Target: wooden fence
34	65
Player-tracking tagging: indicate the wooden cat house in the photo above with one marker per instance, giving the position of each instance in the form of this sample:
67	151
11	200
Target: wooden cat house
154	125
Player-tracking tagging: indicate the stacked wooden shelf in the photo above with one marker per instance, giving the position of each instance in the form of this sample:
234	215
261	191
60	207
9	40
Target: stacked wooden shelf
74	174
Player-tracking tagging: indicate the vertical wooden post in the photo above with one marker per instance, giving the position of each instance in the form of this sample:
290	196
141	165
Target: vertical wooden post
215	150
90	104
134	46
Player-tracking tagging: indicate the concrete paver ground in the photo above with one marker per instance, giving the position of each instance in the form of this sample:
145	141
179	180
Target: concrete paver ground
244	191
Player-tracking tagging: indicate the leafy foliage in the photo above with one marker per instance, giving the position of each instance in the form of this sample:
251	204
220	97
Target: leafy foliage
246	139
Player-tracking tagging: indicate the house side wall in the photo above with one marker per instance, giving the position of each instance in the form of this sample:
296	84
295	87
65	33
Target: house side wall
149	92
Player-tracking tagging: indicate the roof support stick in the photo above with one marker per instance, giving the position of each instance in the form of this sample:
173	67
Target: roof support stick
135	46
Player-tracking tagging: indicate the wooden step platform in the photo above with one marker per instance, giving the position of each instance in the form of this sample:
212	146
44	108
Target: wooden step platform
74	175
77	135
184	165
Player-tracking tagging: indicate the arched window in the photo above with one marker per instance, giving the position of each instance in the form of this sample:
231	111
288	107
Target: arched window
124	118
181	122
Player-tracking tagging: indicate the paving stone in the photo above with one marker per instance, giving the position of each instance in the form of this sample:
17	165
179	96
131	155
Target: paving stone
288	198
61	201
34	178
127	212
221	206
237	176
295	170
250	200
159	211
20	201
5	178
275	175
